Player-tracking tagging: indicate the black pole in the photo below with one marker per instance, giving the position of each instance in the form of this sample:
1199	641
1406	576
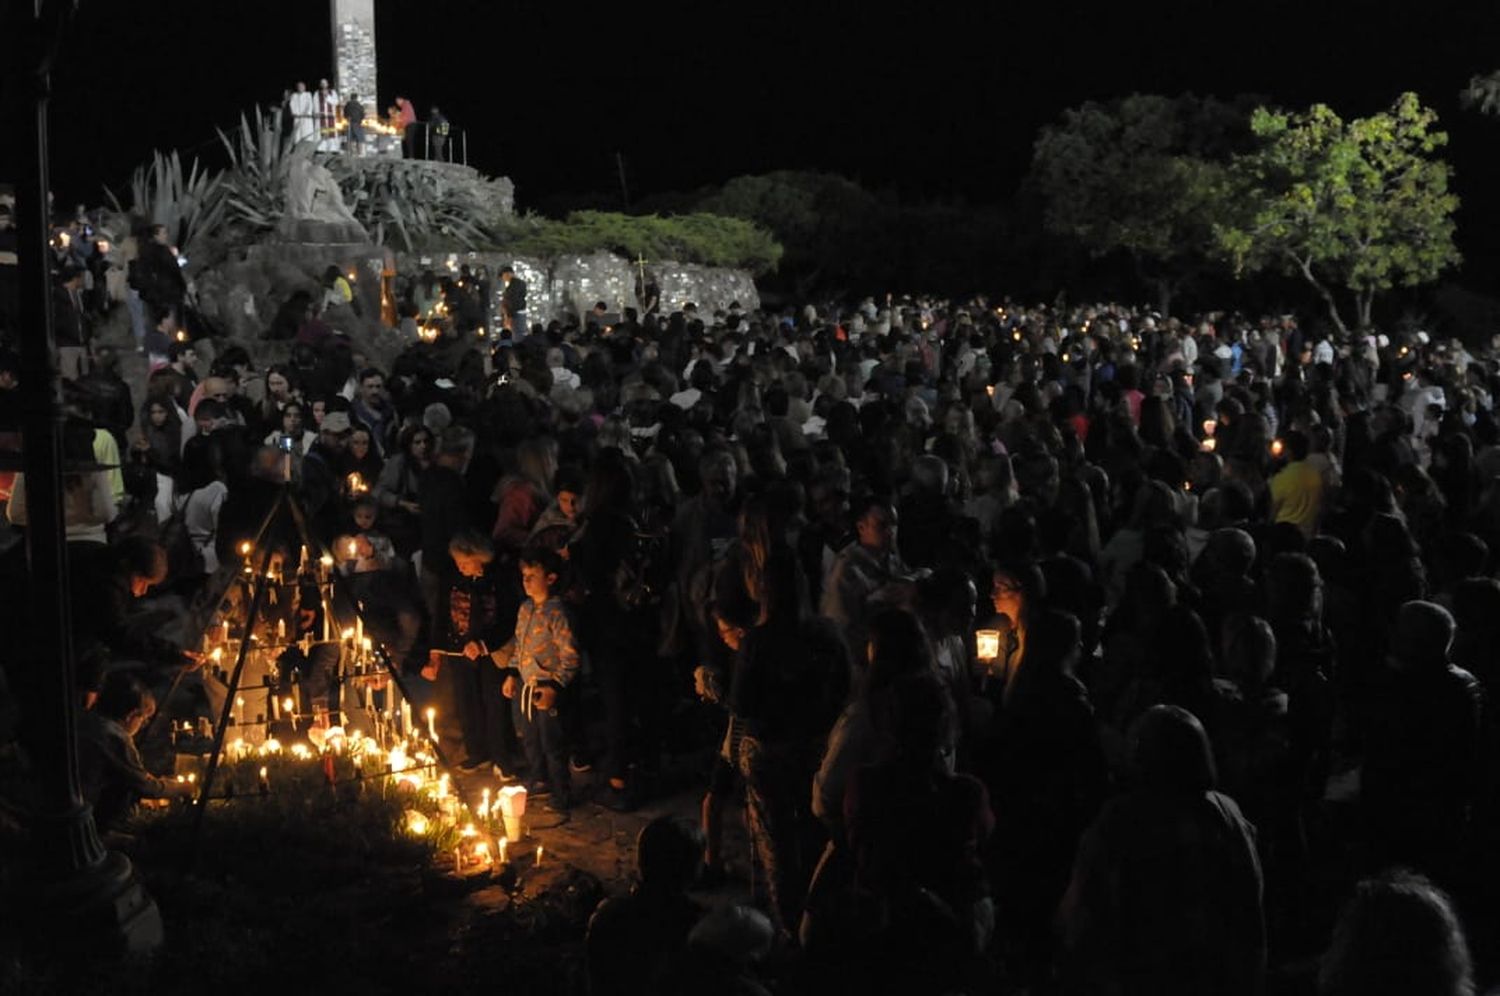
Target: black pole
88	897
624	190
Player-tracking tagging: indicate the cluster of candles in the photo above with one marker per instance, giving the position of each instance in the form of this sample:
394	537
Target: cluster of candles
399	754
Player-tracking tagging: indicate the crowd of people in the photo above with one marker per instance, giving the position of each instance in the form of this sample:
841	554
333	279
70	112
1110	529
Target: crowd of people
1235	579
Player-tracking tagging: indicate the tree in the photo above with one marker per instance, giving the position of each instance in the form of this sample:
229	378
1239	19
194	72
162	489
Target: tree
835	232
1144	175
1358	206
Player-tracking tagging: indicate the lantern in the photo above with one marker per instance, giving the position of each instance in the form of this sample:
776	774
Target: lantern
987	644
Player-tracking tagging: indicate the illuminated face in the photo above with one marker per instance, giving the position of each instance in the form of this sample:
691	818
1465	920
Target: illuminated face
569	503
158	415
877	528
359	445
373	390
319	409
364	516
277	385
536	582
291	420
732	635
1006	596
471	565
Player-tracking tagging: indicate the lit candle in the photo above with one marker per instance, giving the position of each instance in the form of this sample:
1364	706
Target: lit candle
484	806
239	704
265	781
280	630
353	550
987	644
224	637
359	630
1277	448
290	708
325	563
405	718
432	723
539	855
503	848
245	552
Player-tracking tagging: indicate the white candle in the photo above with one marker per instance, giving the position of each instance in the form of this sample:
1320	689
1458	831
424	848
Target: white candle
239	703
503	843
432	724
280	630
539	855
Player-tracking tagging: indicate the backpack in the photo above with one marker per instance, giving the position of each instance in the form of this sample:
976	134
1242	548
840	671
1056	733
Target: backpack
645	572
184	560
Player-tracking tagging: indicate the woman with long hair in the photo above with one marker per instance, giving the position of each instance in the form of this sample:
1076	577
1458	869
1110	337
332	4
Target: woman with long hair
399	483
523	495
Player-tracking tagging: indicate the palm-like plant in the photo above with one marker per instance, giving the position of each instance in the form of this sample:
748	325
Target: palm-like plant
398	199
190	203
255	183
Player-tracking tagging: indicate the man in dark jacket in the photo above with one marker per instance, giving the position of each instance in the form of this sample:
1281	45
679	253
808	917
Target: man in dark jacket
157	277
1422	766
513	303
107	396
70	324
442	496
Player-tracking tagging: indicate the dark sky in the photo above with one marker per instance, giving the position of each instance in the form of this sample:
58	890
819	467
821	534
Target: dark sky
936	99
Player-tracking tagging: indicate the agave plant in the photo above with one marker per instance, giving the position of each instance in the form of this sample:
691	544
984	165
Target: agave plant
190	203
414	204
255	183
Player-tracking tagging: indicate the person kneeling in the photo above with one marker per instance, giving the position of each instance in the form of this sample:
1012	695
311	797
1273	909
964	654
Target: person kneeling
539	662
114	777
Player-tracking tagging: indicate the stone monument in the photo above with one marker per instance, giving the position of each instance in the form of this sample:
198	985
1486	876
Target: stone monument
315	208
354	50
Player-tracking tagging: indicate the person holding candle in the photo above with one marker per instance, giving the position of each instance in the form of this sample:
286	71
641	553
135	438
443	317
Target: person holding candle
539	662
473	721
111	773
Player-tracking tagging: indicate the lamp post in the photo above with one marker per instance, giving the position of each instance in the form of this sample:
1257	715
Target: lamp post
78	894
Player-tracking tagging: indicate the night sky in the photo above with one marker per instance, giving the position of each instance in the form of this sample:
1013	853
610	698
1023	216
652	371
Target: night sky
938	101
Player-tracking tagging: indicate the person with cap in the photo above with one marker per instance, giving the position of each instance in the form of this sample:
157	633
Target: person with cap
1422	761
321	481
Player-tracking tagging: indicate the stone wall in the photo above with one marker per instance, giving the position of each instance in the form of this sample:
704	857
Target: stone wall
557	288
354	51
239	296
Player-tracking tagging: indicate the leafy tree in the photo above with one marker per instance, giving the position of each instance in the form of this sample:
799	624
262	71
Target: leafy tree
1359	206
833	229
1144	175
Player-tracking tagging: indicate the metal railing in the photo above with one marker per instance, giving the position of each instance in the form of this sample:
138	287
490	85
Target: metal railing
420	140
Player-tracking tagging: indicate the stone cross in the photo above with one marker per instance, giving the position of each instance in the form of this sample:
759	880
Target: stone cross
354	50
